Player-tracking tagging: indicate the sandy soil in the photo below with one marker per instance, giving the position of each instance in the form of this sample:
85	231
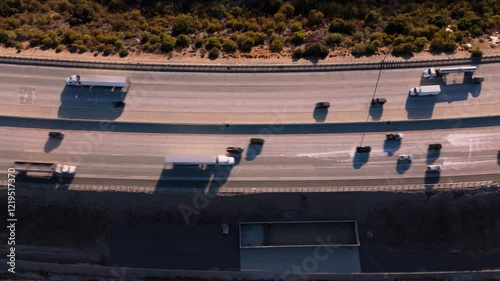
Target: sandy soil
259	55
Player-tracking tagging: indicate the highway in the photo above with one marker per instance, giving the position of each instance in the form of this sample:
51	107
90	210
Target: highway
284	160
245	98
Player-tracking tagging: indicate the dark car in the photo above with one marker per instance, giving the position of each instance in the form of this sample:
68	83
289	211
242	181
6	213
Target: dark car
323	104
234	149
363	149
118	103
256	141
394	136
476	79
58	135
435	146
379	101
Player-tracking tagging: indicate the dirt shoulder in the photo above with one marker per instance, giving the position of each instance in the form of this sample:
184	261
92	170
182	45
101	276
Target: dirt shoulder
259	55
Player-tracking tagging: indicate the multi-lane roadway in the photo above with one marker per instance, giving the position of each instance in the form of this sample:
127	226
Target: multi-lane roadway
246	98
297	155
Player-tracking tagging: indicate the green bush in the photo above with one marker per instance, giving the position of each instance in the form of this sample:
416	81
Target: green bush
82	13
108	50
316	50
372	19
420	43
357	37
333	39
280	27
182	41
404	49
440	44
358	49
213	42
155	39
199	43
145	37
476	53
398	25
315	18
230	46
183	24
123	53
213	53
245	43
167	44
276	45
118	44
59	48
370	49
287	9
340	26
376	43
298	37
298	53
296	26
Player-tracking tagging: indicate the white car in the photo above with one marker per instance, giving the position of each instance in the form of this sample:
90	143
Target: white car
407	157
434	168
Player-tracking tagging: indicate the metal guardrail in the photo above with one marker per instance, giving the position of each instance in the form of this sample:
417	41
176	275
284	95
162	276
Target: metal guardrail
238	68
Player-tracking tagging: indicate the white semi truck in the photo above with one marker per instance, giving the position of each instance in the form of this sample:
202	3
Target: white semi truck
98	81
48	169
205	160
440	72
430	90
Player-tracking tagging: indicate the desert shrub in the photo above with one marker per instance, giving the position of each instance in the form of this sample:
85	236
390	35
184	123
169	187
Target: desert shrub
316	50
230	46
287	9
155	39
296	26
118	44
298	37
476	53
145	37
182	41
398	25
82	13
213	53
420	43
358	49
441	44
315	17
280	27
333	38
276	44
370	49
298	53
123	53
199	43
167	44
213	42
245	43
340	26
108	50
404	49
372	19
357	37
183	24
59	48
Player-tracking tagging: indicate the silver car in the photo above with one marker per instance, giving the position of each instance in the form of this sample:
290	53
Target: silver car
407	157
434	168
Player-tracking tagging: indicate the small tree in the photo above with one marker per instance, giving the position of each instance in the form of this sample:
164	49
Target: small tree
123	53
276	45
333	38
167	44
183	24
316	50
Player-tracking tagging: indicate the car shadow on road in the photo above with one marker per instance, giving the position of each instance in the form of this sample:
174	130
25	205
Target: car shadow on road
402	166
498	158
360	158
253	150
420	107
391	146
51	144
432	155
207	179
320	114
376	111
432	178
90	103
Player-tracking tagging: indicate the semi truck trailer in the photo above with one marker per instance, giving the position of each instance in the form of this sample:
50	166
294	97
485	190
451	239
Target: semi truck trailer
98	81
44	168
430	90
221	160
440	72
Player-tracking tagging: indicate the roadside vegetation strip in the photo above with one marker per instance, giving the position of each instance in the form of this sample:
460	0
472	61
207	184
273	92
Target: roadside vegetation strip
438	187
239	68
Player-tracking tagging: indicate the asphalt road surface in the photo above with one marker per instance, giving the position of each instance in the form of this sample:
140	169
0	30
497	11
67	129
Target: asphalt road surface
246	98
284	160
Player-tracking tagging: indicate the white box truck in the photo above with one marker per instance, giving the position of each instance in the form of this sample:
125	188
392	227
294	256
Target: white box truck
98	81
221	160
430	90
48	169
440	72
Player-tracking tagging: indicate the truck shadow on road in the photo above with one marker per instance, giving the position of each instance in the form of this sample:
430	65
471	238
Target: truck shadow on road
432	155
253	150
360	158
391	146
90	103
58	182
376	111
320	114
208	179
51	144
431	178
